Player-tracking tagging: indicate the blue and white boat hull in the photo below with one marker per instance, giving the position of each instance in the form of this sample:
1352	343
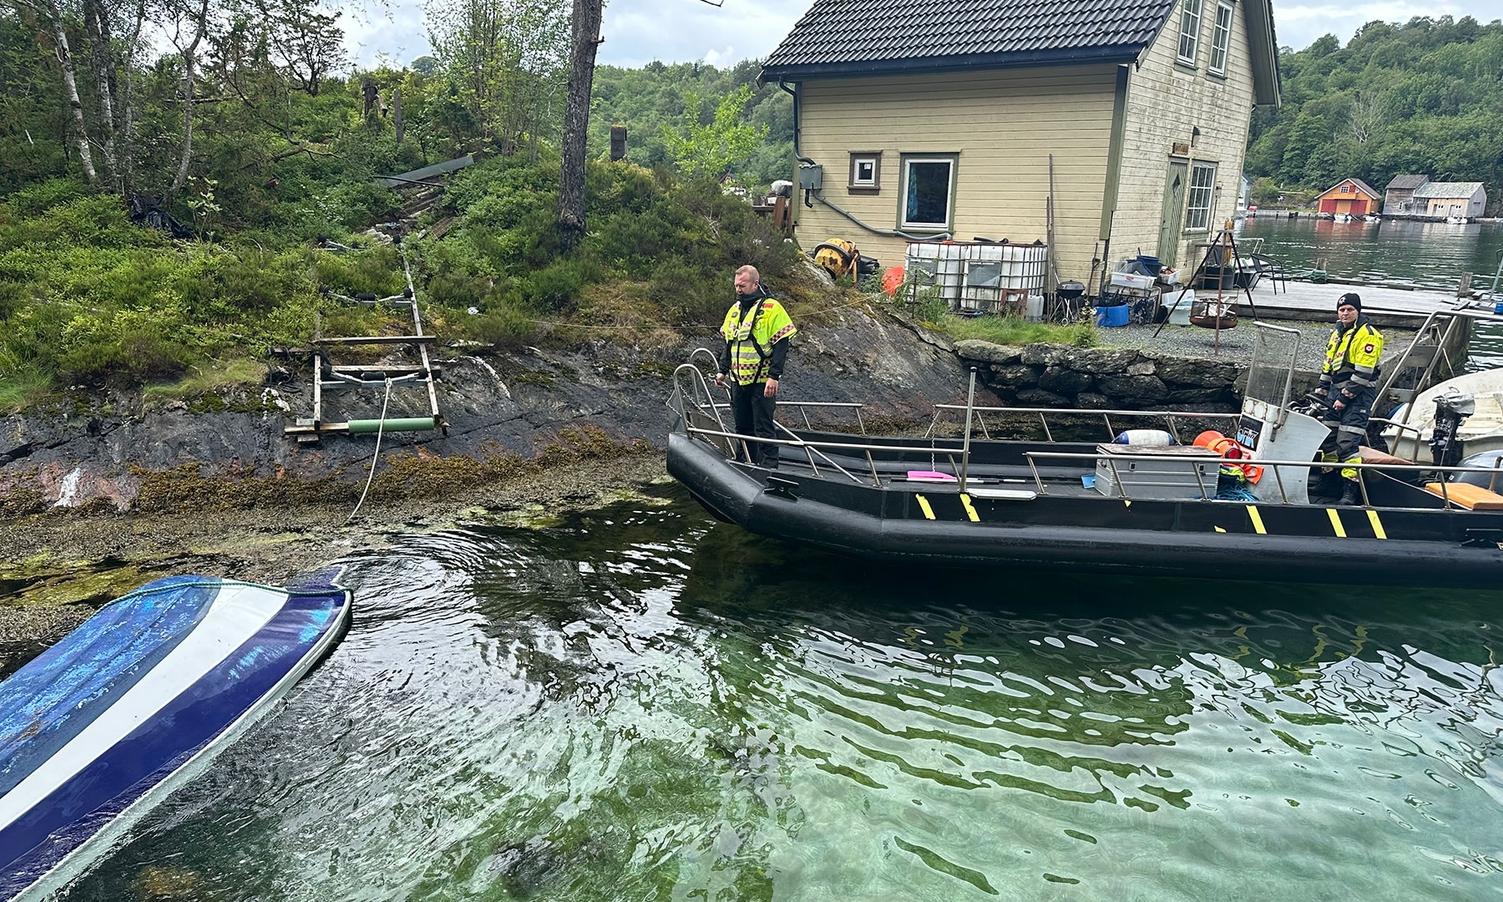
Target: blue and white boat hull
124	709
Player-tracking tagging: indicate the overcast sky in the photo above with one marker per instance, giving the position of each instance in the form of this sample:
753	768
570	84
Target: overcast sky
639	31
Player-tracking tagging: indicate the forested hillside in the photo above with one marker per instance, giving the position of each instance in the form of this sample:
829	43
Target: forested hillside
244	122
1423	97
652	103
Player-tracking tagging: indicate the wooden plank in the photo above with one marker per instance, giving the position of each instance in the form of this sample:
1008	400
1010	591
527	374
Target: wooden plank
398	370
1471	497
379	340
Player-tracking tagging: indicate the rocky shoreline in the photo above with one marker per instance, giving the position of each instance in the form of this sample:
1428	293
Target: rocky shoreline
1039	375
98	499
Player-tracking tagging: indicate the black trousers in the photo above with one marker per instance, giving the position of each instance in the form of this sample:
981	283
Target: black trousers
1348	428
754	411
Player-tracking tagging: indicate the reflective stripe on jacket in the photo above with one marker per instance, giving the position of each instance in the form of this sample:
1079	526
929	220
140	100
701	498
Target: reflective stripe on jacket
752	336
1352	359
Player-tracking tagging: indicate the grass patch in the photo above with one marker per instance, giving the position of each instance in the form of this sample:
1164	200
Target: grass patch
23	388
1011	330
214	378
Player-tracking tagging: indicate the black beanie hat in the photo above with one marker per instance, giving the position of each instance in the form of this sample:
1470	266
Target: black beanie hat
1350	298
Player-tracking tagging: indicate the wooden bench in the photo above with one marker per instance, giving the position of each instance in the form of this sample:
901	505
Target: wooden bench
1471	497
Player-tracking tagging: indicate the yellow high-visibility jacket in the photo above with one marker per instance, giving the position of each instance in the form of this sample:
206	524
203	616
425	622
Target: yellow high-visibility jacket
752	336
1352	357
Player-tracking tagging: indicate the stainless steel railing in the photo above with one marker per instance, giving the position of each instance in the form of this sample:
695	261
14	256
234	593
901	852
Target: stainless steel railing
1494	472
1172	418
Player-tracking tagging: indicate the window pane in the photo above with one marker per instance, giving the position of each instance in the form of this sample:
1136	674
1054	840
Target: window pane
928	200
1189	31
1221	38
1202	187
863	170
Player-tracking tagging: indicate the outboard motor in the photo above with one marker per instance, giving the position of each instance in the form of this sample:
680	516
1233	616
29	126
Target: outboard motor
1451	410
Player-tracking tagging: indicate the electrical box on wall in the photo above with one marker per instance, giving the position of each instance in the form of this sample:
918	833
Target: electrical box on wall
811	176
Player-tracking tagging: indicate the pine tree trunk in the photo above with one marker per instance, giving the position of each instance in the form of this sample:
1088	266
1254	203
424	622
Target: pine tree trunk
70	89
571	189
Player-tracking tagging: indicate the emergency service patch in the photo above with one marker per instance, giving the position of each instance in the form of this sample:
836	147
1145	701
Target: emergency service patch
1368	349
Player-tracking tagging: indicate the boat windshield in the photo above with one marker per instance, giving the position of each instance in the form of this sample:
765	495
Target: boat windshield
1270	376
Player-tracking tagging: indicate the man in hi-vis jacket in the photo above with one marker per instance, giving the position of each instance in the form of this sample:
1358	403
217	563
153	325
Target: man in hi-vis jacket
757	331
1348	389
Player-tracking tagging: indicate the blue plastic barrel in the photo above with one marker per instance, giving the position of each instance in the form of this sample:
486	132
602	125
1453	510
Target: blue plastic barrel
1112	317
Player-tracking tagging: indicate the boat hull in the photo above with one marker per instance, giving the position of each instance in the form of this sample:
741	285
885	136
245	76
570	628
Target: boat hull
130	705
1191	538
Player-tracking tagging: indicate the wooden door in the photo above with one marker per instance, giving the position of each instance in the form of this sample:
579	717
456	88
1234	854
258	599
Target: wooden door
1174	213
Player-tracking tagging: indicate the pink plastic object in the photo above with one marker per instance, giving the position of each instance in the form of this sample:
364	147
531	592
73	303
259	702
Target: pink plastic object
930	476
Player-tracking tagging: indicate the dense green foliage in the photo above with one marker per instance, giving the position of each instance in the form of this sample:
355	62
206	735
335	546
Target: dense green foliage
281	158
87	298
652	101
1423	97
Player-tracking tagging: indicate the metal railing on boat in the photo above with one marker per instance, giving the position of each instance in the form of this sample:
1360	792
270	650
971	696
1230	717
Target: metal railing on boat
1172	418
1494	472
961	464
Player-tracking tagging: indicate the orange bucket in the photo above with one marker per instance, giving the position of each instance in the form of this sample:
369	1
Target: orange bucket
892	279
1205	439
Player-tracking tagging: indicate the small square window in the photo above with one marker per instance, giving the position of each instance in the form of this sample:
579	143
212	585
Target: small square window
866	172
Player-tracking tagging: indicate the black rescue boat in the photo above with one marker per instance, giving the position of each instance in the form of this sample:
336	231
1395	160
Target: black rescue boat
1161	509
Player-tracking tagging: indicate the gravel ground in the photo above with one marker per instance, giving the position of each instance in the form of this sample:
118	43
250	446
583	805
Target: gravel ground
1236	344
56	569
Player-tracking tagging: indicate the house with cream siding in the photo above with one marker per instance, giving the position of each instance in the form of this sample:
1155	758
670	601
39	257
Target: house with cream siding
1448	199
924	119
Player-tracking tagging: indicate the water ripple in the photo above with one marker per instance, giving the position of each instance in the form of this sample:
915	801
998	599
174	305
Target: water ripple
636	705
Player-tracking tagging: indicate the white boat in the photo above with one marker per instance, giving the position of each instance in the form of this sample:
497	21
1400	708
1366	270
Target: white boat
1482	431
1457	220
1342	217
133	703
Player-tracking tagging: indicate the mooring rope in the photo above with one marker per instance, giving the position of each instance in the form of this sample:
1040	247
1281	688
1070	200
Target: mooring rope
375	455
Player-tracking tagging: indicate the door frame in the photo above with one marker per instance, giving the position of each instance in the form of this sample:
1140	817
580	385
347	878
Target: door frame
1172	216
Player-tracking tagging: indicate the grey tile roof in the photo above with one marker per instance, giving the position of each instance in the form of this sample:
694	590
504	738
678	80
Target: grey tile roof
1448	189
884	35
1406	182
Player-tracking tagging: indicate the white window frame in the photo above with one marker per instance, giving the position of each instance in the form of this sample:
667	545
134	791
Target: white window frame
1199	198
872	184
903	221
1221	38
1189	30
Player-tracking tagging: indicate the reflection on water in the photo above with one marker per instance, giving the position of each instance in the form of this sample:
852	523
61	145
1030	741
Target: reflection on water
639	704
1423	254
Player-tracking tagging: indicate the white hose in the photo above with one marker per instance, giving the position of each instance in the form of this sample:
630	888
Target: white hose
376	455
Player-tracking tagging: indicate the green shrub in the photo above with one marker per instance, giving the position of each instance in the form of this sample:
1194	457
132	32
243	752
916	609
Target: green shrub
504	325
556	287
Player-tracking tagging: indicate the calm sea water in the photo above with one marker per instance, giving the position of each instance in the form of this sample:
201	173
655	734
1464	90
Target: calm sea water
638	703
1424	254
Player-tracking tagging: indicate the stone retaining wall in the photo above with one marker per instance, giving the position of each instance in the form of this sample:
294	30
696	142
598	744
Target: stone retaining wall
1040	375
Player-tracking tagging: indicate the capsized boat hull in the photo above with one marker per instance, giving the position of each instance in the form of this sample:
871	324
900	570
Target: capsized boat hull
1193	538
128	706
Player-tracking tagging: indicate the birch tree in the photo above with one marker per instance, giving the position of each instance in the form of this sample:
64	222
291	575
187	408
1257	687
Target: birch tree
52	16
190	24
